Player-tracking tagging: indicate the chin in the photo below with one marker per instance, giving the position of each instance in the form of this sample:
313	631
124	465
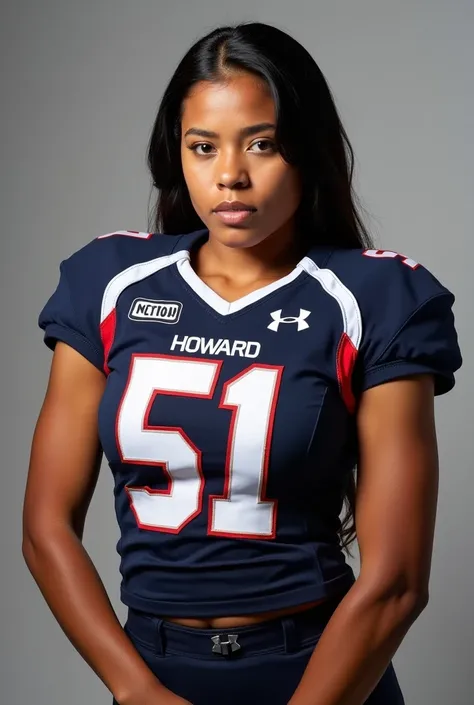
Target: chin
232	236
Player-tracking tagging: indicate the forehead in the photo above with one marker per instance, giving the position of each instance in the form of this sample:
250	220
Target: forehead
241	97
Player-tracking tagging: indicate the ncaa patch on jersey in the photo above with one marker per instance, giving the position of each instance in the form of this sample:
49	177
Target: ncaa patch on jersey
157	311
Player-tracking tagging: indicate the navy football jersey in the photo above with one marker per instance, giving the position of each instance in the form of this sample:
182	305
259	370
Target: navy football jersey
230	427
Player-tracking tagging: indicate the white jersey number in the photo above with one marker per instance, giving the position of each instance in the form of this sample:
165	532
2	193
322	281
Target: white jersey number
390	254
251	396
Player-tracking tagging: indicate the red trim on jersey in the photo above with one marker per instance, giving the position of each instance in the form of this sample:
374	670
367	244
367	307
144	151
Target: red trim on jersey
230	443
345	360
107	334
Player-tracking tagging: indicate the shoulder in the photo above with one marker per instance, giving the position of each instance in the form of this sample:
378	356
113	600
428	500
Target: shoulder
386	288
379	290
89	279
126	255
380	275
109	253
397	313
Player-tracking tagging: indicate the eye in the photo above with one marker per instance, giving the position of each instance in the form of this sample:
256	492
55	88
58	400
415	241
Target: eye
194	147
266	141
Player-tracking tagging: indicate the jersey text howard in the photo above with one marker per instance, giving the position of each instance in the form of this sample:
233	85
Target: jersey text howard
221	346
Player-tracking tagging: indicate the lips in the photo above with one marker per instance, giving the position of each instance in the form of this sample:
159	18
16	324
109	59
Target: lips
234	206
233	217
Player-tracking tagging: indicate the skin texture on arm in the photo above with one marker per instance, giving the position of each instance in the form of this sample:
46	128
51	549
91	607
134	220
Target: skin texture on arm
395	518
64	467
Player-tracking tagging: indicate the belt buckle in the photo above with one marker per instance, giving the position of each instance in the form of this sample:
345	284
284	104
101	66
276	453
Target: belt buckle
225	648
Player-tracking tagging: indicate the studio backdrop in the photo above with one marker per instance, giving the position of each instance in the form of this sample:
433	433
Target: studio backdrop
80	85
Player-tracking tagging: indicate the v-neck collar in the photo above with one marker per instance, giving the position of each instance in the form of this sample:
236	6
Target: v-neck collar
216	302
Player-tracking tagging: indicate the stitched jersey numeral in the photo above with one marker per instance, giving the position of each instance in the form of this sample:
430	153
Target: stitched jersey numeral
241	510
392	255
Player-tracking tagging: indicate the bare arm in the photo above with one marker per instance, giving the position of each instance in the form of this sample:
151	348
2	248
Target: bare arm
395	518
64	466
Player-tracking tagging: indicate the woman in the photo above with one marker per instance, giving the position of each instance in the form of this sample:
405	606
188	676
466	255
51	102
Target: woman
234	366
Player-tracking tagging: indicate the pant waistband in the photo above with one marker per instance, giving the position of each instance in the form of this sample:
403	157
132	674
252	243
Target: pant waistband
287	634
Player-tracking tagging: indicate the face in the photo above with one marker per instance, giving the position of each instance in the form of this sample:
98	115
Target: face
231	164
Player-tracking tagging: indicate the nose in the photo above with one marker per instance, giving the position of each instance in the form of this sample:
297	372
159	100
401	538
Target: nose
231	172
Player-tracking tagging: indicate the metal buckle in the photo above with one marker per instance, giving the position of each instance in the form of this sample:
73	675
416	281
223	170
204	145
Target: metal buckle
225	648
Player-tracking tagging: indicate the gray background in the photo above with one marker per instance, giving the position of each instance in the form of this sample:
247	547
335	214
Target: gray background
80	87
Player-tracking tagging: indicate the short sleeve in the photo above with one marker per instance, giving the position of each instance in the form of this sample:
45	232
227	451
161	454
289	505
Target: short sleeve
65	317
426	342
407	322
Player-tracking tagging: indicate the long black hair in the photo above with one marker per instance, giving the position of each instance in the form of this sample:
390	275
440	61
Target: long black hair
309	134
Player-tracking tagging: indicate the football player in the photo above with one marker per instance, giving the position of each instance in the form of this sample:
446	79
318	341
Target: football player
235	365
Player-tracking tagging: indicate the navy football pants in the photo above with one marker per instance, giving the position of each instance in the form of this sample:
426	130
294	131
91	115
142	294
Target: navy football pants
265	670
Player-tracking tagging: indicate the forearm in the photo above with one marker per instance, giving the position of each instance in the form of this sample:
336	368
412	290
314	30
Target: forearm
76	595
355	648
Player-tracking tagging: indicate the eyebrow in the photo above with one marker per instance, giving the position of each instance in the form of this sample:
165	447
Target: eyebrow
244	132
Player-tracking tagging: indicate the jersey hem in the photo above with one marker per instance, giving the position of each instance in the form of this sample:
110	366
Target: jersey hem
225	608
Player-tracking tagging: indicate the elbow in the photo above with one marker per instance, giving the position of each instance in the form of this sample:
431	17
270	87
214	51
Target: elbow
39	543
29	547
41	550
41	547
408	599
34	531
409	603
416	601
29	554
43	532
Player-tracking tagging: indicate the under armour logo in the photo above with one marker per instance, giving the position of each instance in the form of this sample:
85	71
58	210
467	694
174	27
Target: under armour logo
300	320
225	648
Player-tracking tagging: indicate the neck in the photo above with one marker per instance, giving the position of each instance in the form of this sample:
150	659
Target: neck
277	255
